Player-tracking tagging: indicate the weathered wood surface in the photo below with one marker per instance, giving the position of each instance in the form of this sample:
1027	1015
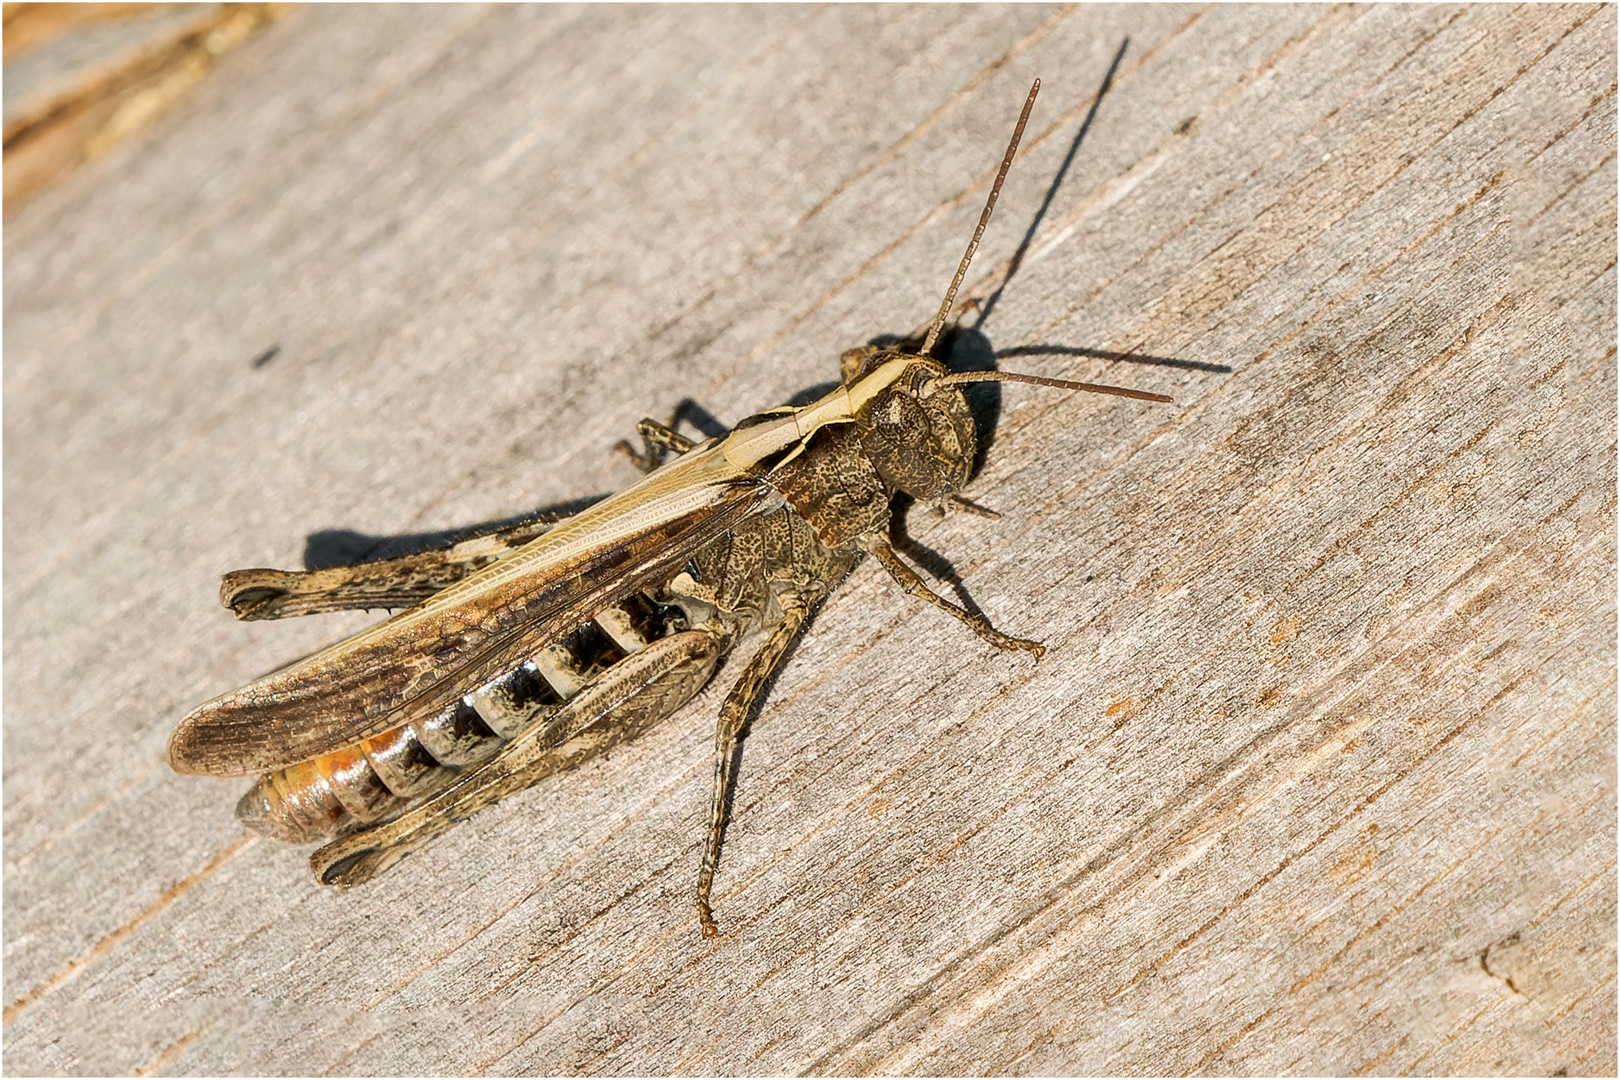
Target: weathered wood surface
1319	774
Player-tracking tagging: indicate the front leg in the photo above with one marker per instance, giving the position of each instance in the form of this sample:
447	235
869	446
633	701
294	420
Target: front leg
908	580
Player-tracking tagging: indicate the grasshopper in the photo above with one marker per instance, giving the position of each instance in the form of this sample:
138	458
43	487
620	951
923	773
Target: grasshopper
534	647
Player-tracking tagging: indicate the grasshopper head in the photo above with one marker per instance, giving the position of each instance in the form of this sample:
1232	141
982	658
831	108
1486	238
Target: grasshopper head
919	435
916	425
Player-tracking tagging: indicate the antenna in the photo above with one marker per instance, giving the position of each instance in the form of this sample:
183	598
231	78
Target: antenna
1038	380
984	219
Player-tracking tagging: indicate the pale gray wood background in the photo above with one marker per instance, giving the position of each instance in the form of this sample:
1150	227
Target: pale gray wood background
1319	774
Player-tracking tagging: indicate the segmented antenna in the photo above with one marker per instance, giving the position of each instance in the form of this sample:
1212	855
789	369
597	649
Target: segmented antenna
984	219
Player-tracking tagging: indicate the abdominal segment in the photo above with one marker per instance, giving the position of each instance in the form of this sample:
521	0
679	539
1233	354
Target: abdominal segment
376	779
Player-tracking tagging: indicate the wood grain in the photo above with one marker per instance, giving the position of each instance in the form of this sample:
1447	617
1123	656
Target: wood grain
1318	774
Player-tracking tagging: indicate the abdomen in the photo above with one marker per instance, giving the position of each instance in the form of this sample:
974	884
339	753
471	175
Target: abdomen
376	779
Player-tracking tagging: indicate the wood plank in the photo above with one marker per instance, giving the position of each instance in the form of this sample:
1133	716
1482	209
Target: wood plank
1318	773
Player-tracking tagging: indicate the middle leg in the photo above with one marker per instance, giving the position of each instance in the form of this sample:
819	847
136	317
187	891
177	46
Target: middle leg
734	714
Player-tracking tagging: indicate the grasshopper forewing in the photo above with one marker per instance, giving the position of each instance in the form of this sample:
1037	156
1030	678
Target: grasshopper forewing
427	655
535	647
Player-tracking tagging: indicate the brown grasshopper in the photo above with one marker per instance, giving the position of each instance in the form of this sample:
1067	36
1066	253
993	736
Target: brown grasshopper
533	648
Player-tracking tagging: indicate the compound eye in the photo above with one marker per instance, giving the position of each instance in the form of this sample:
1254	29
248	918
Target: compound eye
901	419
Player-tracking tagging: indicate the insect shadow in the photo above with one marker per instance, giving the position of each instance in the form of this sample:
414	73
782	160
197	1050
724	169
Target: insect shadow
345	547
327	548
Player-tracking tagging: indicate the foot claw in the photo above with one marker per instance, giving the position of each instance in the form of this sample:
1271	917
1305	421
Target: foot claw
1010	644
968	505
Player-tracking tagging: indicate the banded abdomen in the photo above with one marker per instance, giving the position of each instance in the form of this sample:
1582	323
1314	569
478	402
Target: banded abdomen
372	780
